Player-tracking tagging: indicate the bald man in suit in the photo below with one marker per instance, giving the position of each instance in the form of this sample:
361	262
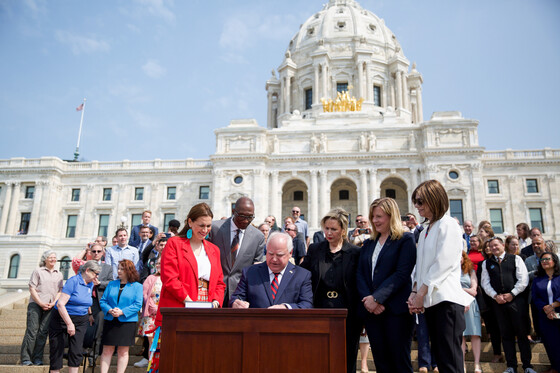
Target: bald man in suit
276	283
241	245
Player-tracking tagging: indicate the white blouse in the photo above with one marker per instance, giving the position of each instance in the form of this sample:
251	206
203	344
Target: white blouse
203	264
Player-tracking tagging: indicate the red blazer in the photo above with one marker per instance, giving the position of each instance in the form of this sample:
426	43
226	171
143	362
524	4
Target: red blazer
179	274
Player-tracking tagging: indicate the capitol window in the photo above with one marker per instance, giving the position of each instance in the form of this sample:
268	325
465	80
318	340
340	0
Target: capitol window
497	220
535	215
138	194
308	98
238	179
71	226
171	191
453	175
493	187
342	87
24	223
532	186
377	95
298	195
29	192
204	192
75	195
107	194
14	266
344	195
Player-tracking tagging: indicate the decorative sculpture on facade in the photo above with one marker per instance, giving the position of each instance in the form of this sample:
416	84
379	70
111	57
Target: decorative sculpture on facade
343	102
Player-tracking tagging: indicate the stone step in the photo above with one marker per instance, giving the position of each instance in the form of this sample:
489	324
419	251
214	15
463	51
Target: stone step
486	367
12	332
45	369
13	312
20	306
14	359
13	323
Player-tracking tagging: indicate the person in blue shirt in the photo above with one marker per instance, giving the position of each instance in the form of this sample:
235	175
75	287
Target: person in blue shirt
121	251
120	303
72	315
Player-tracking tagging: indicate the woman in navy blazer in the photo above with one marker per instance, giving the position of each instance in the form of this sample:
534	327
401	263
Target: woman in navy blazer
120	303
546	297
384	283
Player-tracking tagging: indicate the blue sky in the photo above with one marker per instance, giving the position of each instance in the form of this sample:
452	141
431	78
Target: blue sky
159	76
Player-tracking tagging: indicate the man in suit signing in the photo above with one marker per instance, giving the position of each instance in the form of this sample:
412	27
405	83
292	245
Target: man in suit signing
241	244
276	283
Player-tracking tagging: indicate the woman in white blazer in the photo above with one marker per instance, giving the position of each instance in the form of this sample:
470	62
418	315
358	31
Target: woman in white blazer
437	285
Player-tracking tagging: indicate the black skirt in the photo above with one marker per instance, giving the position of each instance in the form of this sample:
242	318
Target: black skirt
117	333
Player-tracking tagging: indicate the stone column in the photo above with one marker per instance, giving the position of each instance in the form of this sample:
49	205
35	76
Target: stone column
553	198
11	228
419	109
406	93
288	93
361	81
369	85
6	207
325	85
374	192
363	202
323	196
269	114
281	97
275	195
399	89
392	94
316	85
36	210
314	212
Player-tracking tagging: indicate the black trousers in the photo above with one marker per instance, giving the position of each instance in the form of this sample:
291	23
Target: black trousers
390	337
512	319
36	333
57	330
446	324
353	331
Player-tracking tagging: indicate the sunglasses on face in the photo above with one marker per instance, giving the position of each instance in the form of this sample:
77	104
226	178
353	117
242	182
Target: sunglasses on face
245	217
418	201
96	251
289	230
295	212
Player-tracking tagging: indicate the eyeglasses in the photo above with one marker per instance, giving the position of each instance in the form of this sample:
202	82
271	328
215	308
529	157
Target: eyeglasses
418	201
295	212
244	217
547	259
289	230
96	251
94	272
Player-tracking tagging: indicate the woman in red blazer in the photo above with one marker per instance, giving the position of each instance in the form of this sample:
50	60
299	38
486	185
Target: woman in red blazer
190	265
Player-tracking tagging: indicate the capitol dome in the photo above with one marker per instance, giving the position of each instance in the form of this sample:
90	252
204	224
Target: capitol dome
344	22
344	47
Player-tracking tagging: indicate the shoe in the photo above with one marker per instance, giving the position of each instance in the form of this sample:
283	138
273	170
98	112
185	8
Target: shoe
477	368
436	369
529	370
535	341
423	370
142	363
26	362
498	359
38	362
90	361
510	370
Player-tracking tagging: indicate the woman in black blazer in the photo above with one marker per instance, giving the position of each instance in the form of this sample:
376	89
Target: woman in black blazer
384	283
333	265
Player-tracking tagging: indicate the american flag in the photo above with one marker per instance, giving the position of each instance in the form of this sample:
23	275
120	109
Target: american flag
79	108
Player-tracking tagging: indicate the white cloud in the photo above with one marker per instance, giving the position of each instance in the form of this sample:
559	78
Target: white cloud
245	30
158	8
153	69
82	44
128	93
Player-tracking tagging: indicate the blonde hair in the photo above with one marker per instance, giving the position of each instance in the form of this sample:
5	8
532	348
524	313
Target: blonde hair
341	216
389	207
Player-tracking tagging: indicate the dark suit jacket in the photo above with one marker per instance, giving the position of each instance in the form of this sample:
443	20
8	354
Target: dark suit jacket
316	256
527	251
417	231
134	239
391	283
250	251
318	236
294	289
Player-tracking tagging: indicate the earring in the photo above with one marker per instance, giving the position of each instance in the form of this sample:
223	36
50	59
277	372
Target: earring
189	234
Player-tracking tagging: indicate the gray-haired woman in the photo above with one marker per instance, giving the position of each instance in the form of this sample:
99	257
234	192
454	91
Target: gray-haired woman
45	285
72	317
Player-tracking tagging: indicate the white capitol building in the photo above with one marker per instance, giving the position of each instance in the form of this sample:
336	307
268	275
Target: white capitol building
305	156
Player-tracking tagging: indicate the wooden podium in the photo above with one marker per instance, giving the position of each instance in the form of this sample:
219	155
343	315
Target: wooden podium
253	340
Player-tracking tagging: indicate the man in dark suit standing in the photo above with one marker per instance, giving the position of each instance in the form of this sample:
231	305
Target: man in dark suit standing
135	234
241	244
277	283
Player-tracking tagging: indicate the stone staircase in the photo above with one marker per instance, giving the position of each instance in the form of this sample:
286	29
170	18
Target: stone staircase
12	329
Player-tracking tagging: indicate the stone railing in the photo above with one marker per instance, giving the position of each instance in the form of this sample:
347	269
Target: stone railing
509	154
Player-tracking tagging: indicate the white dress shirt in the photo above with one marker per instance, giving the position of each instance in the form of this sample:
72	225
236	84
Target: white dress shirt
520	273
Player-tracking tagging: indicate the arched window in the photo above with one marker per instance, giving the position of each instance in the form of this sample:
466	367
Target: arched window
14	266
65	266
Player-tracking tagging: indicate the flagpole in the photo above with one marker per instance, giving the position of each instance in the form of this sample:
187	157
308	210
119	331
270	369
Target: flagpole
77	152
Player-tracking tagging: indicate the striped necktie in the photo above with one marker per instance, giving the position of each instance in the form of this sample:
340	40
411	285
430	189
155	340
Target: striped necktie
274	285
234	247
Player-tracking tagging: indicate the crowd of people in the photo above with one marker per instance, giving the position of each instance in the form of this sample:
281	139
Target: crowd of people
395	274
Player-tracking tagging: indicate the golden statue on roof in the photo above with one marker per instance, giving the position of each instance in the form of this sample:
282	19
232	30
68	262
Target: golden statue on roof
343	102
